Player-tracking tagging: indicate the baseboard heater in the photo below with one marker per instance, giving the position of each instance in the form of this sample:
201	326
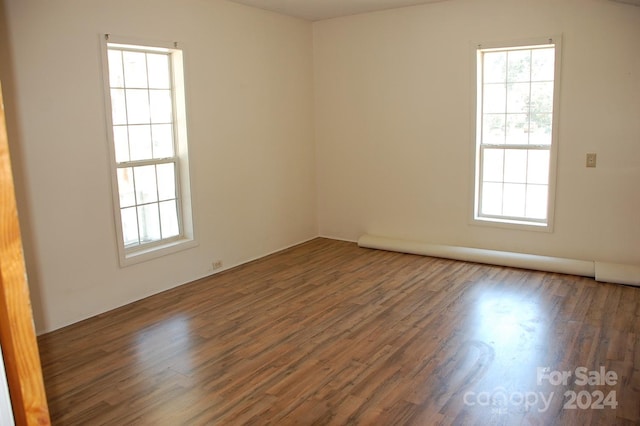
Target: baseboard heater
601	271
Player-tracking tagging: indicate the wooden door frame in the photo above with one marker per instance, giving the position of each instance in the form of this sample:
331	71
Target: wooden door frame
17	331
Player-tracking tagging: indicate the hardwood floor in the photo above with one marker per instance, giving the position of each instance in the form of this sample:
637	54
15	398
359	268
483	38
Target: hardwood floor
329	333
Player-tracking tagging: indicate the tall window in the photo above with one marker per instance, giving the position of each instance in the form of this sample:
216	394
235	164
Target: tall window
148	141
515	133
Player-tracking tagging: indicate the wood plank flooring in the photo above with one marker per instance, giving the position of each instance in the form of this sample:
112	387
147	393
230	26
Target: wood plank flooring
329	333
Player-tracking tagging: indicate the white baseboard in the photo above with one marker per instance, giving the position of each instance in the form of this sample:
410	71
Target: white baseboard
618	273
607	272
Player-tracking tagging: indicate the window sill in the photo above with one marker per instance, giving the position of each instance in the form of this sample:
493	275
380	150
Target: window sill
143	255
512	224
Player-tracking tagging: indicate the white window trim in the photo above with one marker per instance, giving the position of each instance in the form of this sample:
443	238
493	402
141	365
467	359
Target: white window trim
507	223
186	240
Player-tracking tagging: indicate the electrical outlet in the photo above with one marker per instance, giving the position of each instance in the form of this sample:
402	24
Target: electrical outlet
216	264
591	159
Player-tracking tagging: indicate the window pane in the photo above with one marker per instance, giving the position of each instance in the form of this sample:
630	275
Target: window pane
166	181
540	130
519	65
517	129
515	166
162	135
169	219
495	67
492	198
542	64
517	101
116	76
514	200
518	97
537	201
494	98
140	137
135	69
140	83
493	129
138	106
538	167
126	188
541	97
160	106
129	226
158	71
149	222
118	107
146	188
121	143
492	168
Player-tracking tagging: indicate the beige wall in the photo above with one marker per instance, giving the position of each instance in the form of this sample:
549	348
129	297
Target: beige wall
393	124
250	132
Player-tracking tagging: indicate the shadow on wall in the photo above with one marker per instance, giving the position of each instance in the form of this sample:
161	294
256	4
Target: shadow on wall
19	172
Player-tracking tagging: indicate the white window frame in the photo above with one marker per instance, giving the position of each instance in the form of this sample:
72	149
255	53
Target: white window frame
506	221
185	238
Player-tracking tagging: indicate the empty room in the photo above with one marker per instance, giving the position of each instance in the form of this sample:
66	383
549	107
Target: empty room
371	212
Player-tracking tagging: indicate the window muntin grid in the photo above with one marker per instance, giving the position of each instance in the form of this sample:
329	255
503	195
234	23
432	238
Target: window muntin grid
515	128
143	123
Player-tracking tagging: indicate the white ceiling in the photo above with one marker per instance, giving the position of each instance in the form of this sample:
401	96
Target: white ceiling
315	10
636	2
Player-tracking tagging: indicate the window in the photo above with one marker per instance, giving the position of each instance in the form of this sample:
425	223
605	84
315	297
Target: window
516	122
147	132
